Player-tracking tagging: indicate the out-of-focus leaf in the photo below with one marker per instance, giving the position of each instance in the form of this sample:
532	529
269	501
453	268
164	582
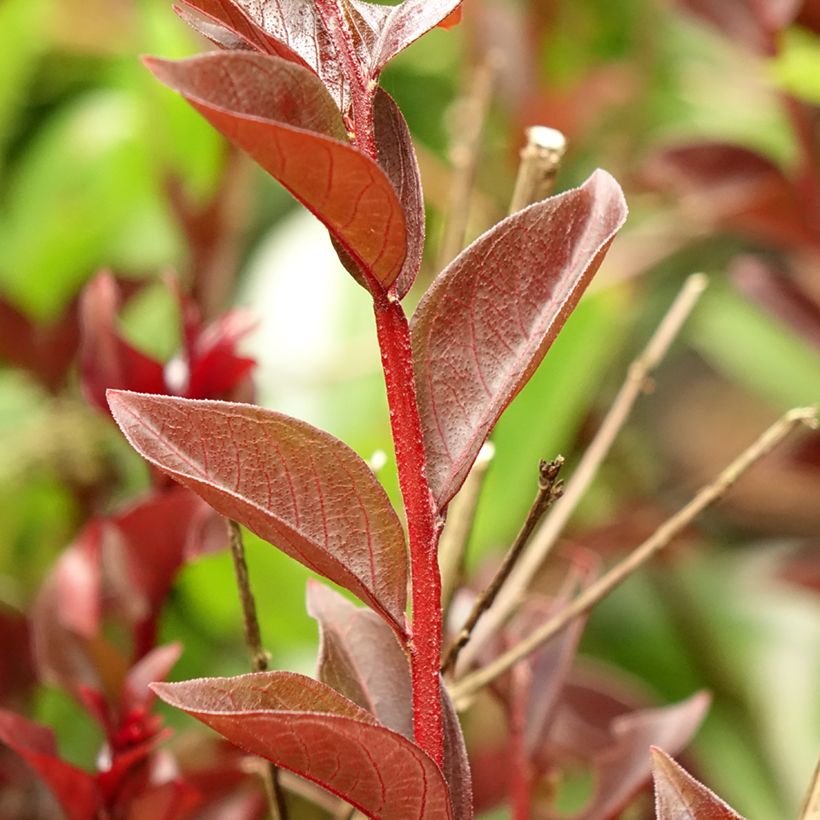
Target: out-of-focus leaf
303	490
174	800
751	23
774	290
107	360
678	796
155	666
74	789
46	351
490	317
307	727
281	115
360	657
797	67
748	346
624	767
736	189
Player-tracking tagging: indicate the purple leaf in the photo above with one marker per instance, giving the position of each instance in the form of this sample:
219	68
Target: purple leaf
360	657
280	114
293	485
624	768
490	317
306	727
74	789
678	796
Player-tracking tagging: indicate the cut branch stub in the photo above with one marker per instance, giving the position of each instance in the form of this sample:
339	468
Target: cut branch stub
489	318
304	726
280	114
295	486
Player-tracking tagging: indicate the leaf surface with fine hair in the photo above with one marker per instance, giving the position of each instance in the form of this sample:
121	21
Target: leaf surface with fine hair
296	486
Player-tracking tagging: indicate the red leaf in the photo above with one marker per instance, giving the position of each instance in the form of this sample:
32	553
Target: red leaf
306	727
360	657
280	114
678	796
74	789
456	764
624	767
154	666
212	30
452	19
174	800
490	317
398	159
106	358
750	22
734	188
293	485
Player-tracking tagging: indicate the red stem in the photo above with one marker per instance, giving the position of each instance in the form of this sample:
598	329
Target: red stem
520	769
422	523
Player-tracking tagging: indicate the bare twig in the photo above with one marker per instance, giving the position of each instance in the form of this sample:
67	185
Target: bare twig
465	154
540	160
460	520
638	377
707	496
259	658
549	491
810	810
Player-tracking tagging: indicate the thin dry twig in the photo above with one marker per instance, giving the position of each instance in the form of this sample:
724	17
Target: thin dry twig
259	657
810	810
550	488
465	153
460	519
707	496
637	380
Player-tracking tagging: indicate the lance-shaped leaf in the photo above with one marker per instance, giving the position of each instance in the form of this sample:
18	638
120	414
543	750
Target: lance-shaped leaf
678	796
360	658
490	317
74	789
293	485
280	114
306	727
405	24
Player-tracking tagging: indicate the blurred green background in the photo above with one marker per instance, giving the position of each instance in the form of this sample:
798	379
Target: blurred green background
88	143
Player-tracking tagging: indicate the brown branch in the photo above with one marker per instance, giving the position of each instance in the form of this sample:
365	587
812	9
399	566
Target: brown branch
465	154
637	381
540	160
460	519
707	496
259	657
550	489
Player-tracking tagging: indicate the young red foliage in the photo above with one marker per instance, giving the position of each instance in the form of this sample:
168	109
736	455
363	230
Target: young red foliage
309	728
280	114
489	318
304	491
678	796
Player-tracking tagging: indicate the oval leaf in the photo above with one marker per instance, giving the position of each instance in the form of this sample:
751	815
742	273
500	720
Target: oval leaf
304	726
490	317
360	657
678	796
293	485
280	114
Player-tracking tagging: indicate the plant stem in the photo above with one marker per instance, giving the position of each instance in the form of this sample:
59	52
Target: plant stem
810	810
259	658
635	384
707	496
423	525
549	491
540	160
